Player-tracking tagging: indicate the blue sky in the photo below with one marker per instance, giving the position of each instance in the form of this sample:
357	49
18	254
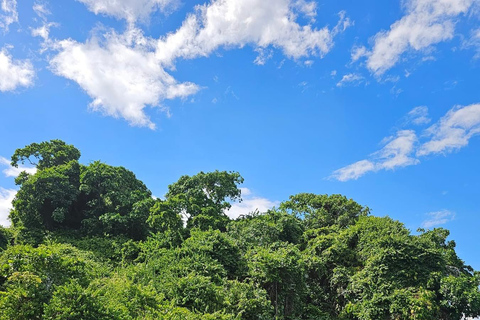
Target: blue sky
374	100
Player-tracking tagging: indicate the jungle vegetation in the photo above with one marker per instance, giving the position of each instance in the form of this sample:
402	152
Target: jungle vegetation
90	242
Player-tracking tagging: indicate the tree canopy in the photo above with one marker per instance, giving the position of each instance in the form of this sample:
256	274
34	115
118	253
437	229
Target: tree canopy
88	241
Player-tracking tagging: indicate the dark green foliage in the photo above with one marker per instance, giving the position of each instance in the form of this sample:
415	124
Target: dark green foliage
6	237
46	200
97	199
114	201
90	242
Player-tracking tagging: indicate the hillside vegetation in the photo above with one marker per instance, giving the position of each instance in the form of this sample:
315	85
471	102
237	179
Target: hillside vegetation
90	242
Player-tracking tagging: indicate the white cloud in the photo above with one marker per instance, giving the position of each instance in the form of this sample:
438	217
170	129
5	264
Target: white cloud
308	8
14	73
396	153
249	204
418	116
260	23
427	22
125	73
121	74
353	171
452	131
438	218
13	171
358	52
473	41
245	192
131	10
264	55
41	9
8	13
6	198
351	78
44	30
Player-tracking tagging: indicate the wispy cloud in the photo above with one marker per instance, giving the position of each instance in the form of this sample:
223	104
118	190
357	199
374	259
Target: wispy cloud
353	171
418	116
43	31
358	52
426	22
351	78
452	132
130	10
438	218
473	42
396	153
8	13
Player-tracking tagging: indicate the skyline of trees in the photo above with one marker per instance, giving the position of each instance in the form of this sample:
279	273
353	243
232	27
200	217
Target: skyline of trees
90	242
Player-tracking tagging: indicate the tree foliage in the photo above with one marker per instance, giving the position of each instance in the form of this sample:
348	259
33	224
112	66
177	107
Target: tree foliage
89	241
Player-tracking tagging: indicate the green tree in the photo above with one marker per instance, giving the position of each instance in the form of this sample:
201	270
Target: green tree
46	201
46	154
218	246
202	198
73	302
279	269
324	210
258	229
114	201
23	298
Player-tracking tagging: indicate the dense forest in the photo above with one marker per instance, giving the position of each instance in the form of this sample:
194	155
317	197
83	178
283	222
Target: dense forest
90	242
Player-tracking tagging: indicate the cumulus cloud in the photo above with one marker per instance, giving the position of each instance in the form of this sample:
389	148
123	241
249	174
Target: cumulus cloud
351	78
452	131
418	116
426	22
249	204
120	73
6	198
15	171
396	153
14	73
125	73
438	218
260	23
8	14
130	10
